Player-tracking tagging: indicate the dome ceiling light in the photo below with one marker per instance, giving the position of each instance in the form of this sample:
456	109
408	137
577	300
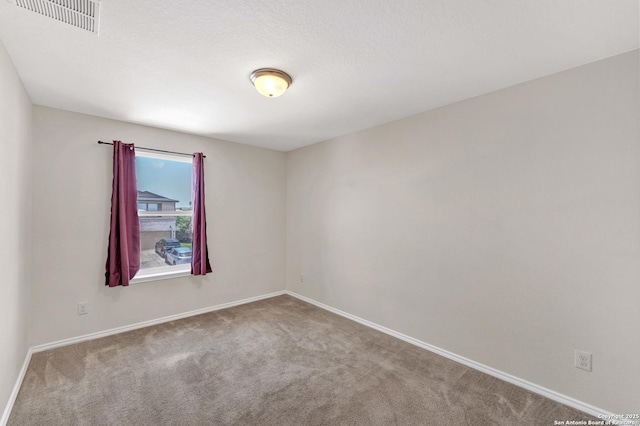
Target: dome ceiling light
270	82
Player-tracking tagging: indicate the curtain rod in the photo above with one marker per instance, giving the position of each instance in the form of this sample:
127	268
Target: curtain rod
154	150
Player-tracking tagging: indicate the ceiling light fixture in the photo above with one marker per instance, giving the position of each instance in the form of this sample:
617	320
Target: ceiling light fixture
270	82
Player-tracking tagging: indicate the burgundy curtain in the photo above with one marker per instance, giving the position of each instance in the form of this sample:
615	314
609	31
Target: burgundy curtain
123	258
200	258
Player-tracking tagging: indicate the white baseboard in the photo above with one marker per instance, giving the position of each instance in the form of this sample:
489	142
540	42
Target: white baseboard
16	388
117	330
548	393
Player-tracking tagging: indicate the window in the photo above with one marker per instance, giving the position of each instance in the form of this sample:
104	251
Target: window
164	211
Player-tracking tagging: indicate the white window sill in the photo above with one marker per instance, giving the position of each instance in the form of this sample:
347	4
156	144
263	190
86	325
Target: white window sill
150	274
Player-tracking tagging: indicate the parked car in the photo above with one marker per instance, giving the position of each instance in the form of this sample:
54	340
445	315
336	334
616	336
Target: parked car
164	245
178	256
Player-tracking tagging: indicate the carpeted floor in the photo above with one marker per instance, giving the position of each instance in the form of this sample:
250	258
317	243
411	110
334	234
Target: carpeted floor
278	361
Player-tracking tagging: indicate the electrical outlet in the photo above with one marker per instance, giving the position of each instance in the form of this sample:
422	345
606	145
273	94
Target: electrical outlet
301	278
583	360
82	308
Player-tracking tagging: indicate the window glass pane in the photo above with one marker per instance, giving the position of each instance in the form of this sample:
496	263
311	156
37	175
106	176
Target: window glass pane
164	186
160	236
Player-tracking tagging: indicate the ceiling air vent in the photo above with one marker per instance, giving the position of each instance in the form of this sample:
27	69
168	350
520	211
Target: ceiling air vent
79	13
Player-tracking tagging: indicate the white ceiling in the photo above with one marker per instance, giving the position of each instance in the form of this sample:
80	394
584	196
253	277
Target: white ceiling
185	65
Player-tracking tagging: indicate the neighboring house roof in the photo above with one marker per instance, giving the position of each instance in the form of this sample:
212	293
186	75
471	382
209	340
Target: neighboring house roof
146	196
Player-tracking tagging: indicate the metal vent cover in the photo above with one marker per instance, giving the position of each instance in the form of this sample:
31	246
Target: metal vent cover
83	14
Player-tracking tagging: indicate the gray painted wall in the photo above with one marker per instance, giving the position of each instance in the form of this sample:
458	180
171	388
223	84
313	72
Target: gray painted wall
505	228
15	224
245	198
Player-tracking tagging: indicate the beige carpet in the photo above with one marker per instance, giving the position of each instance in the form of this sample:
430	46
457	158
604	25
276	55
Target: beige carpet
278	361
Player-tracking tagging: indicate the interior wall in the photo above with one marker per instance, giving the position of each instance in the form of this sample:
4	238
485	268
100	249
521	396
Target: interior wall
245	199
504	229
15	224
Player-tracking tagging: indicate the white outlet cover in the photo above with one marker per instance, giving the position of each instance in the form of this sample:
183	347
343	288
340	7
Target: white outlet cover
583	360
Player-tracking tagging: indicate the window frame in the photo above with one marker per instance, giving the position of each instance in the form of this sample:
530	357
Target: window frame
169	271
